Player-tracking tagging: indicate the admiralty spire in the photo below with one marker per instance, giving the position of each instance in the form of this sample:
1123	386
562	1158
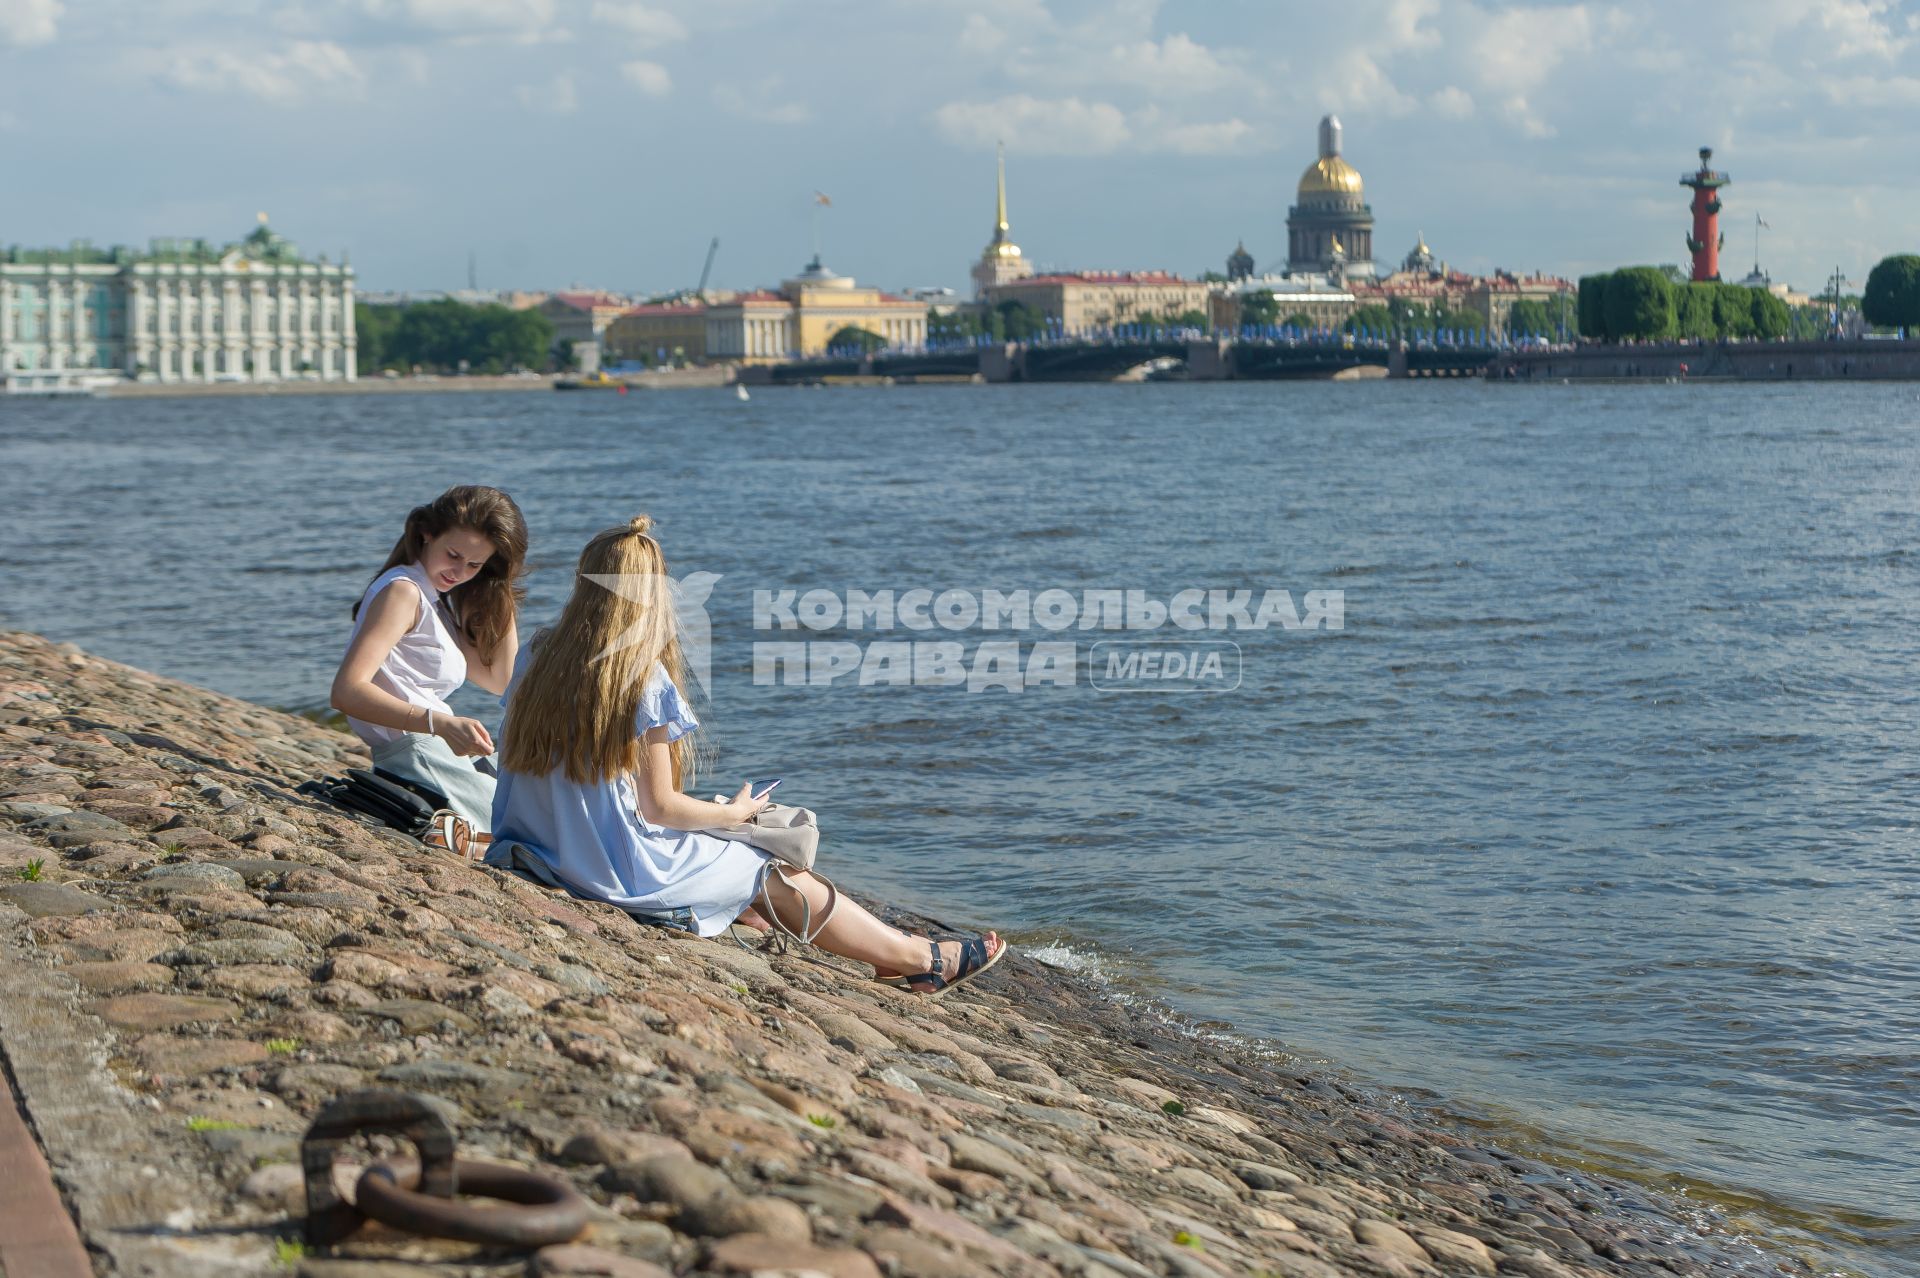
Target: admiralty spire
1001	261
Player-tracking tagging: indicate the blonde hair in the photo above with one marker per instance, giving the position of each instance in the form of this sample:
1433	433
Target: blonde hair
577	704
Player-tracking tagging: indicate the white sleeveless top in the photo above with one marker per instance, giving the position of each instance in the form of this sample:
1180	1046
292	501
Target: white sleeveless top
425	666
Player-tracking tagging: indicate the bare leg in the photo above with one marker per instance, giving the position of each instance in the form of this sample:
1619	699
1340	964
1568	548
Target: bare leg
852	932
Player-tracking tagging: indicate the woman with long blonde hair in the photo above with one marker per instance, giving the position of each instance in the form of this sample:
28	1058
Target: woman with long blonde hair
597	750
439	613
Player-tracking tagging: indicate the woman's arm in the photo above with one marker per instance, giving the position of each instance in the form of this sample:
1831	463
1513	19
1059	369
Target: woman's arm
387	620
661	804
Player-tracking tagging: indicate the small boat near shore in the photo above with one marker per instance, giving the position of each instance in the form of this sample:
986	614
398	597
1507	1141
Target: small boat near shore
589	381
60	381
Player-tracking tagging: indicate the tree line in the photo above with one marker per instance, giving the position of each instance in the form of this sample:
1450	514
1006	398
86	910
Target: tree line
451	337
1641	303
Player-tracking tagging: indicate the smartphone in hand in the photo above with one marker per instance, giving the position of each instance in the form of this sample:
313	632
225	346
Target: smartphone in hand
761	789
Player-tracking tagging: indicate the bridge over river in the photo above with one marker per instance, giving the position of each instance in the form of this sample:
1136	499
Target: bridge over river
1105	360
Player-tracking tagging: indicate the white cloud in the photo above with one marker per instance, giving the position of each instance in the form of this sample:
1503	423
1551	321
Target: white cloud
1451	103
533	19
1399	27
1522	115
556	97
1223	137
284	77
1355	78
1176	64
1090	58
761	102
1867	91
650	28
25	23
1518	49
979	35
1072	126
1858	28
1035	126
649	77
458	15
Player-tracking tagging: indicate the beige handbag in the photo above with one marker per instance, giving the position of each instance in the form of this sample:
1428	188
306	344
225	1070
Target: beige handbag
788	834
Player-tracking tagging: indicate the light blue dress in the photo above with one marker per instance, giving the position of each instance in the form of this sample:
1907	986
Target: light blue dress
594	840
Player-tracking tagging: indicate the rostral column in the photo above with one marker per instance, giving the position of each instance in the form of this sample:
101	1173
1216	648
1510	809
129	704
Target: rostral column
1704	243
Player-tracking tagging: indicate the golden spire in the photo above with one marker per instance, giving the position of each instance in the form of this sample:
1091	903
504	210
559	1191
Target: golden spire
1000	203
1002	245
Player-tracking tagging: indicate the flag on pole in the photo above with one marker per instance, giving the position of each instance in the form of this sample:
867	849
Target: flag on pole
820	198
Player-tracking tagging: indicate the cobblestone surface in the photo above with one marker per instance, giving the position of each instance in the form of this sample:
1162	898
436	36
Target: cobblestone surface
199	959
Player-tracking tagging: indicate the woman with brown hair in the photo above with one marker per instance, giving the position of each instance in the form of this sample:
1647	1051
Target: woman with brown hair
597	749
438	614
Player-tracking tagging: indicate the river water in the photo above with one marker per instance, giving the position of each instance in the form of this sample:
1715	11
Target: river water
1594	821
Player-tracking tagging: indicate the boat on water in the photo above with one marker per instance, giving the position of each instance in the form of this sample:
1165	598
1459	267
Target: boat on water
60	381
589	381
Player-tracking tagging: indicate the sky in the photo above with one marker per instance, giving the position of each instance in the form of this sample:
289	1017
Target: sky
603	143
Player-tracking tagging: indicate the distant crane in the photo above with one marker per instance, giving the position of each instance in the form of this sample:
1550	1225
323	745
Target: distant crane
700	289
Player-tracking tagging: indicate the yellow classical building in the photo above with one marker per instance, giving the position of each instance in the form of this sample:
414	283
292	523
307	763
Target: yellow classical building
1097	300
805	317
658	334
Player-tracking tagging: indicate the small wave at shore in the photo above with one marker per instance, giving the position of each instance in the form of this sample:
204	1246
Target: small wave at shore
1742	1229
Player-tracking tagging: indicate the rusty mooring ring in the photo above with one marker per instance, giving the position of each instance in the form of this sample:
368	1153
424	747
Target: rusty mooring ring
546	1211
397	1113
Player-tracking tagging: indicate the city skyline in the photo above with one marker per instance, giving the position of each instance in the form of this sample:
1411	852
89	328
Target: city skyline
603	143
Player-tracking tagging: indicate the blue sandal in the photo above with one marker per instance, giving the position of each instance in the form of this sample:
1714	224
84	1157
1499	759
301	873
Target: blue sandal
974	959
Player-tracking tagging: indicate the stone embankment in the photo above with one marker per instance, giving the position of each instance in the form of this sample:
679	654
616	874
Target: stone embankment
653	379
197	959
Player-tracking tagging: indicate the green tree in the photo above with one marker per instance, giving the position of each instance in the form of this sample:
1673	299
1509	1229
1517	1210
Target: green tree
1013	321
563	359
1409	316
958	326
1732	309
1259	309
1541	317
1528	318
1188	319
1892	299
1693	312
1808	323
853	338
1373	317
1591	307
1771	319
1639	304
373	328
1299	320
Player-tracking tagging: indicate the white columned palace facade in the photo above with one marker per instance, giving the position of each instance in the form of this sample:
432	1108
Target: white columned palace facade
182	311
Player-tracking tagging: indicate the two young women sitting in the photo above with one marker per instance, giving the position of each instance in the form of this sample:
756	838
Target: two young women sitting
596	747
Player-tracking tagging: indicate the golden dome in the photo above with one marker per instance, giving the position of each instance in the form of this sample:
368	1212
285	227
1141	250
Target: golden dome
1330	175
1002	248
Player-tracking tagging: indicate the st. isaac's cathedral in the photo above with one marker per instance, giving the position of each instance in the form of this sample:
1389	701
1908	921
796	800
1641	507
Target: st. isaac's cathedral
1330	227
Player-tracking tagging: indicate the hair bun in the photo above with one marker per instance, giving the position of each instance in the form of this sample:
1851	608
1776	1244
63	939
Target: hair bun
640	525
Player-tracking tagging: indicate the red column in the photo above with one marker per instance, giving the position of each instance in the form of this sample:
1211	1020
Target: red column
1706	234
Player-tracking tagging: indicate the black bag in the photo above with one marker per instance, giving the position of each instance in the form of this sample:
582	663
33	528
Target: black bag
373	794
421	788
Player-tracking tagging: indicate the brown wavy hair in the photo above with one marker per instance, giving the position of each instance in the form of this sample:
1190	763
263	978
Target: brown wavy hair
486	603
578	699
